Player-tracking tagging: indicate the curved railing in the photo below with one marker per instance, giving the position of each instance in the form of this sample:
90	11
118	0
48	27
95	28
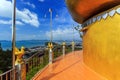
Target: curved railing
36	62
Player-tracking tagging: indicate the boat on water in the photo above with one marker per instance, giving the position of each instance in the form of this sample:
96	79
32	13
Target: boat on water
100	20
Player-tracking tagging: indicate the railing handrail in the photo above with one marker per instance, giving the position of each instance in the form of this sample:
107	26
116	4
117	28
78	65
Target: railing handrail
31	57
7	71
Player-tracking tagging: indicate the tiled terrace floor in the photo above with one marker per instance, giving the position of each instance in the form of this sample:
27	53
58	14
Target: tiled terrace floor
69	67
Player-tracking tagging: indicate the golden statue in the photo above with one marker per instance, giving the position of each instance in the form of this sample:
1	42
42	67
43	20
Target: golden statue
50	45
19	54
63	43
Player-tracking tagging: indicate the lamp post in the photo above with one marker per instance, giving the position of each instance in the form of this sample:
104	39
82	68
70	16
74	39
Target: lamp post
13	35
13	32
50	10
73	32
50	45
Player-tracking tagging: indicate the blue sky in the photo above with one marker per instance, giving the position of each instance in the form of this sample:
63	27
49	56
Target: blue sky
33	20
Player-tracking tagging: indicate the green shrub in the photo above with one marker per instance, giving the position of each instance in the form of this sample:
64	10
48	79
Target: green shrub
1	72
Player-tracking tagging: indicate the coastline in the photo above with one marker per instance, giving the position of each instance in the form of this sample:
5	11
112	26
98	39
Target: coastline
7	45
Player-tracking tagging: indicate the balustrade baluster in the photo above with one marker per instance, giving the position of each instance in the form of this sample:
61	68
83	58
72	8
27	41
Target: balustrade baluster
7	76
1	78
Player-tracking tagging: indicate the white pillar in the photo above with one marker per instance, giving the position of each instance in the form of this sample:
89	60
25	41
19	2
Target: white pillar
63	50
50	56
73	46
19	72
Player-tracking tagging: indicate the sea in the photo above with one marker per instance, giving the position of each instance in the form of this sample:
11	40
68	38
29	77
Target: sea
29	43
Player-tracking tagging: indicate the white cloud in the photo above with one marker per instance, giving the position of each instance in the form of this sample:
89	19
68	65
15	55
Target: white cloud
29	4
28	17
5	22
41	0
10	22
63	34
24	15
5	8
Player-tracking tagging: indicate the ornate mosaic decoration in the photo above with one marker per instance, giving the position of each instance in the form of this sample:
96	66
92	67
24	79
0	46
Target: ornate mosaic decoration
104	15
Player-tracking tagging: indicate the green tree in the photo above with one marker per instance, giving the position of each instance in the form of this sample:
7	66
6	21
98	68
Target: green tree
5	60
